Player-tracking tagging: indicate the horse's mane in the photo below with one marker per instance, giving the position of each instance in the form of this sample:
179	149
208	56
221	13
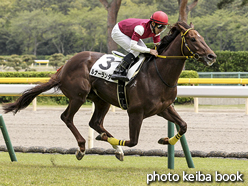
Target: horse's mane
173	33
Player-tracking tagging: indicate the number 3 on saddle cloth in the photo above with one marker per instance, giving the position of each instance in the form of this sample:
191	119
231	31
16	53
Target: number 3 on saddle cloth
104	67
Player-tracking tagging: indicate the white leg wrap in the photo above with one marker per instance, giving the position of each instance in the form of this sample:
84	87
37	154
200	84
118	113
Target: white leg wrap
118	149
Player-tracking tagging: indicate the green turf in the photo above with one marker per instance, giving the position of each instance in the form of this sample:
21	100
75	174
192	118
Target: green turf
56	169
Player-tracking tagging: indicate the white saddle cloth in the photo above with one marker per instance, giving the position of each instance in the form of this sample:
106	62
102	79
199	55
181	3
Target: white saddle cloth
105	66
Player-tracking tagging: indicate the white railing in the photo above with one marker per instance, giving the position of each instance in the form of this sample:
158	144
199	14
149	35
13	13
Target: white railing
182	91
214	92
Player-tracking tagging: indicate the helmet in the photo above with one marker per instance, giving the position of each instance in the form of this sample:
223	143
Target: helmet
160	18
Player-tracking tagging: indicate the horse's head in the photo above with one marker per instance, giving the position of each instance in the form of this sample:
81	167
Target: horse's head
195	45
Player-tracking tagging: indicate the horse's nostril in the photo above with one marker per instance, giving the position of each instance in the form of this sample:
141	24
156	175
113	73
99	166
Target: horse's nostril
211	56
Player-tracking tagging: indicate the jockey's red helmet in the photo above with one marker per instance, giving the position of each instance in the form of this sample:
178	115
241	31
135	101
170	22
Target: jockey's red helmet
160	17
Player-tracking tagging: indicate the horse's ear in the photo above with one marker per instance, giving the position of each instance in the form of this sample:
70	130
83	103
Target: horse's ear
191	25
182	28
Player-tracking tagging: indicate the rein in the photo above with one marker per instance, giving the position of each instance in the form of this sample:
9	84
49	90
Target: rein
177	57
161	76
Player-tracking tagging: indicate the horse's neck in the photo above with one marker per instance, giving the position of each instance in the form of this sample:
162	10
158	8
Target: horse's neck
170	69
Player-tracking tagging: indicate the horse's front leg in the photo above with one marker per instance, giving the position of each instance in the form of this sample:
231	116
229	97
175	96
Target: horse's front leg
135	121
171	115
96	122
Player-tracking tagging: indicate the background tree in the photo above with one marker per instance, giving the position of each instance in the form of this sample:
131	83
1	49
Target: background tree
14	61
2	63
57	60
31	28
19	62
90	28
204	8
184	9
170	7
45	27
224	3
112	8
27	60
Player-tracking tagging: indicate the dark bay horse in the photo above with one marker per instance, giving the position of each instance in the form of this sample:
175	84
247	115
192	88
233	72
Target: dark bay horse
151	92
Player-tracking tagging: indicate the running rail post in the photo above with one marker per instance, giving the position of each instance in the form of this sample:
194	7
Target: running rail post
91	131
7	139
170	147
186	150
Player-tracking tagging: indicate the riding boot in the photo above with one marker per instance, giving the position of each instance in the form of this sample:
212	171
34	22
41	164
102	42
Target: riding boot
120	72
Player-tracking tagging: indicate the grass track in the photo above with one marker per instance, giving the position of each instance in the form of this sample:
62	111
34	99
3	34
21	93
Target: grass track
56	169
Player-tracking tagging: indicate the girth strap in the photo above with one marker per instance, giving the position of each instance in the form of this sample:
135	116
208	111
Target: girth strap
121	93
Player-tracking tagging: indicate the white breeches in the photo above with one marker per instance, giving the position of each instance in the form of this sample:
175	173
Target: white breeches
124	41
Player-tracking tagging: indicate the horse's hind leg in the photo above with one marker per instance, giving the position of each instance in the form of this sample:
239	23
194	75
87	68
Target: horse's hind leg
171	115
67	116
96	122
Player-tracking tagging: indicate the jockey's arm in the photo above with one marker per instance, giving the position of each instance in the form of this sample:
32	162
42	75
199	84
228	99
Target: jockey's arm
138	31
134	46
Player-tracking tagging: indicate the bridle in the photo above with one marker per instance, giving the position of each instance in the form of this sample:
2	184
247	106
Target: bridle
193	56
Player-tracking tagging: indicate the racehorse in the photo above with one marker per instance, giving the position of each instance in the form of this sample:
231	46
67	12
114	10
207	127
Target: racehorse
151	92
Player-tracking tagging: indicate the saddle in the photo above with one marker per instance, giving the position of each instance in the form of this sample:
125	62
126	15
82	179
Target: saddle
105	66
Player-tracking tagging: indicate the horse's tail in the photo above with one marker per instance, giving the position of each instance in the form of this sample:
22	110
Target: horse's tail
28	95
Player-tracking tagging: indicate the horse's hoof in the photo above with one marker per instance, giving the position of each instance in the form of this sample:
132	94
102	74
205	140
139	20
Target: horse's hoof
119	156
99	137
164	141
102	137
80	154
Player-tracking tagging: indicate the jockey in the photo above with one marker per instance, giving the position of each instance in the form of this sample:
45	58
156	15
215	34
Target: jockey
128	34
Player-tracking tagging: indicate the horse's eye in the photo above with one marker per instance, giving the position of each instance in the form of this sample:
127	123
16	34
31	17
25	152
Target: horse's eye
193	39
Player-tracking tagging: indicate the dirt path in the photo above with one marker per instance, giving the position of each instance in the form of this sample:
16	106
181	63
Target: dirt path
209	130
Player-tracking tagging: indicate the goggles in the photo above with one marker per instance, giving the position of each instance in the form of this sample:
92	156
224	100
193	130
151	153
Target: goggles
161	26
